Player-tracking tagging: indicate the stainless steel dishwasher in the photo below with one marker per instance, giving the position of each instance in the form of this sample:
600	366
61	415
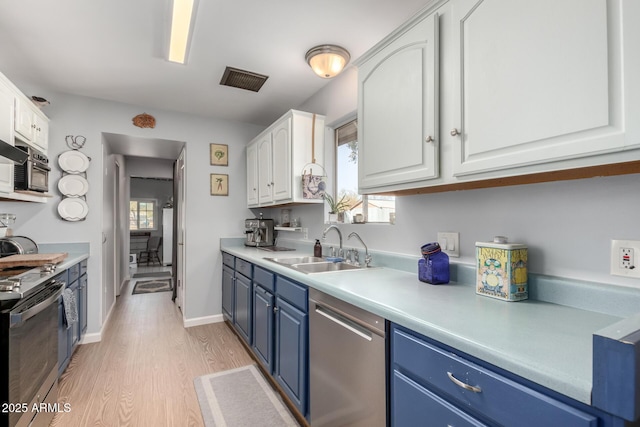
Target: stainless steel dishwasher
347	364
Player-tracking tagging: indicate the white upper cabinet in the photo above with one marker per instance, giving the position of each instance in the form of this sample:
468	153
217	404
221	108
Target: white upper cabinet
398	109
6	135
281	153
252	175
536	82
517	87
31	126
265	169
282	173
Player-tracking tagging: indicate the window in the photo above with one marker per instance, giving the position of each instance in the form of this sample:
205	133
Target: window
142	214
373	208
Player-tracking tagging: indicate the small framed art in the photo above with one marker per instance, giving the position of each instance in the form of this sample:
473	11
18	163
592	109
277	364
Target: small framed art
219	184
219	154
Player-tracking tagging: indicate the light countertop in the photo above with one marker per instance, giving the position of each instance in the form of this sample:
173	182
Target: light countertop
547	343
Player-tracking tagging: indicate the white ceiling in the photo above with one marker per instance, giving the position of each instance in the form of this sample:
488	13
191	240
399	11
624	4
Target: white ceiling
114	49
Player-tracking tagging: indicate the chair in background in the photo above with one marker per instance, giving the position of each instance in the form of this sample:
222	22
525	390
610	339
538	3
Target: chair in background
150	255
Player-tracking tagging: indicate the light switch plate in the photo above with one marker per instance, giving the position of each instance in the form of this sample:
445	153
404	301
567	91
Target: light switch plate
625	258
450	243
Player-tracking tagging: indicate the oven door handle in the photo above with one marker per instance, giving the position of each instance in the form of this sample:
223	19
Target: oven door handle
18	318
41	166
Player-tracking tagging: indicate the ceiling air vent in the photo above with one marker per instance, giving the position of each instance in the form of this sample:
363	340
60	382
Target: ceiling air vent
242	79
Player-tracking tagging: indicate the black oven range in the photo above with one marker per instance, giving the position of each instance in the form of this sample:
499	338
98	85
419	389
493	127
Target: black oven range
29	346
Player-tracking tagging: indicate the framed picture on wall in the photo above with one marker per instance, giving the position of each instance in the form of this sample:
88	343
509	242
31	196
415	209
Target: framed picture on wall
219	154
219	184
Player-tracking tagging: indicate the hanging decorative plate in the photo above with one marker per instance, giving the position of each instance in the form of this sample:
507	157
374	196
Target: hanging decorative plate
73	161
73	209
73	185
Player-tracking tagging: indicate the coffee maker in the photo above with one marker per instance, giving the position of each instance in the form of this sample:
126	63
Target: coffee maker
259	232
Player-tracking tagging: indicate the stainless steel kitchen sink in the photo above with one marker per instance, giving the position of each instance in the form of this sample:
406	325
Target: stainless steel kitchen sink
297	260
313	265
325	267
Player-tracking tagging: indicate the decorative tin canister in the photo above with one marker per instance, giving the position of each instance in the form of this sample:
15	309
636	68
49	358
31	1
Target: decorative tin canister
501	270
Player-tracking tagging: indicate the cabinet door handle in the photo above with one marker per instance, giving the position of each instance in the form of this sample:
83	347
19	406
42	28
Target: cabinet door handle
454	132
465	386
429	139
275	309
268	305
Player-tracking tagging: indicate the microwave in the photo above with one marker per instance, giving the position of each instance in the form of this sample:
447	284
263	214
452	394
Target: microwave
33	175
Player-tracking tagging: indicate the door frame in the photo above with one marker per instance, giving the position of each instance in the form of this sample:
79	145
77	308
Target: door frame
180	231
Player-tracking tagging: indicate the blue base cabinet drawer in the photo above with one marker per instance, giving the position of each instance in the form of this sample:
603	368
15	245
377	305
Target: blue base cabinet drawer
477	389
264	278
229	260
294	293
414	405
74	273
244	267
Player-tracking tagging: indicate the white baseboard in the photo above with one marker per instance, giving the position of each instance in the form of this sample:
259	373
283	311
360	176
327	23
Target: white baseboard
91	338
97	336
124	281
217	318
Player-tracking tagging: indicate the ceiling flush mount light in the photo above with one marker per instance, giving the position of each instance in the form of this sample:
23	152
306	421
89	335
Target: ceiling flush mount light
182	17
327	60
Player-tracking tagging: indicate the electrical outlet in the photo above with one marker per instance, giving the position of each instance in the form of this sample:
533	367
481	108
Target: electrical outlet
305	234
624	258
450	243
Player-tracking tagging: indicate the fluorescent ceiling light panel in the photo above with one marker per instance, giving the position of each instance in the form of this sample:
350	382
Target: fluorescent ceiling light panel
180	30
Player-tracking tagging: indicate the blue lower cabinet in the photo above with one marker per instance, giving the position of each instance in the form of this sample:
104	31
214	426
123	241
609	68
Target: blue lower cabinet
291	358
242	309
263	326
69	336
64	344
431	384
228	293
75	328
414	405
82	303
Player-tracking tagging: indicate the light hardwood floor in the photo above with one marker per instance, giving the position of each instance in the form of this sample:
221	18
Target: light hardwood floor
142	372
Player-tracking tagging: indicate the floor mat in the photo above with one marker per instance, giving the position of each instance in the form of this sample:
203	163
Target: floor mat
240	398
152	286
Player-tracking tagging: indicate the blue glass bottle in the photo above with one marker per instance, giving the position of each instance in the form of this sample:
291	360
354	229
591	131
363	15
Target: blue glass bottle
434	266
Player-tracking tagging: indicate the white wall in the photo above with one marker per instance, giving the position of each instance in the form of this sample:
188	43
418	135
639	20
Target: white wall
208	218
336	100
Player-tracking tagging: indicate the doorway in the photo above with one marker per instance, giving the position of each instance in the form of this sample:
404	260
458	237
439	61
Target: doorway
128	157
151	221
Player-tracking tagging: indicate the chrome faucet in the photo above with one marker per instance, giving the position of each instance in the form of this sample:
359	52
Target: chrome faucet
324	236
367	257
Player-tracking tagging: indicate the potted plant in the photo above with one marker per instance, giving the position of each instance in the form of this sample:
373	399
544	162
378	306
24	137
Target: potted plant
336	207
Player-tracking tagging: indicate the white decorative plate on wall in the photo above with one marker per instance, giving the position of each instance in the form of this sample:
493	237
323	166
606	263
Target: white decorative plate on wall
73	161
73	209
73	185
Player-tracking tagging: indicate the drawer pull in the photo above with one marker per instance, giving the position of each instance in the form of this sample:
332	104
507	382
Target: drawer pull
465	386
